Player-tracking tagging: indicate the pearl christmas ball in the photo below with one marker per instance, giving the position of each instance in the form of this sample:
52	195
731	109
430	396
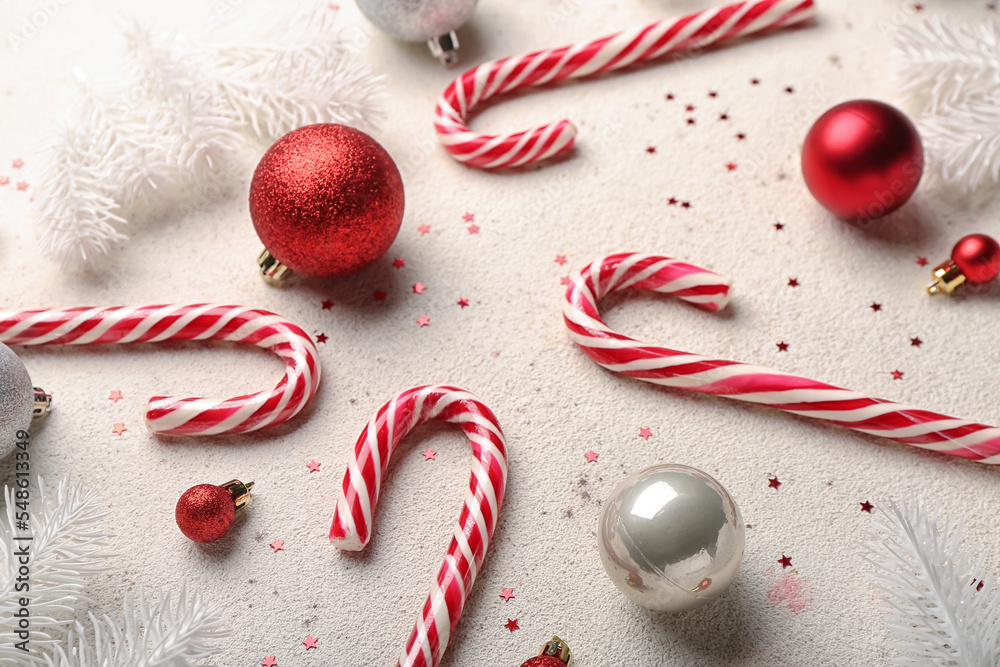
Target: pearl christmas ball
671	538
417	20
17	399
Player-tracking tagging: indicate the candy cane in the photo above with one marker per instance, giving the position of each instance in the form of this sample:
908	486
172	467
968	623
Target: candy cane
622	49
744	382
352	520
154	324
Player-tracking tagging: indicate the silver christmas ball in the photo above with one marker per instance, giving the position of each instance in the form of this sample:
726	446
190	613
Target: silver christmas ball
671	538
17	399
417	20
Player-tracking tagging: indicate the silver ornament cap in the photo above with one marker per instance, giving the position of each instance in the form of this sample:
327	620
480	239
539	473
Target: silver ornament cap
671	538
17	399
432	21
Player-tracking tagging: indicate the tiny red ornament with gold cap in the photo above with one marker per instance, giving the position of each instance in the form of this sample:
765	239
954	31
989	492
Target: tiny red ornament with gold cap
555	653
975	259
206	512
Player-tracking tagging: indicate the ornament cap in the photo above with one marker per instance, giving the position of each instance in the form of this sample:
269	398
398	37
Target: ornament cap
947	277
239	491
271	270
559	649
445	48
42	403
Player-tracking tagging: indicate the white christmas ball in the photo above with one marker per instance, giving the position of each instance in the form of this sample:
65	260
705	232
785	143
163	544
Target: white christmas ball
17	399
671	538
417	20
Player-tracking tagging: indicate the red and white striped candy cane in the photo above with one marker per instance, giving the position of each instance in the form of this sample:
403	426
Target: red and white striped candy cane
622	49
154	324
743	382
352	520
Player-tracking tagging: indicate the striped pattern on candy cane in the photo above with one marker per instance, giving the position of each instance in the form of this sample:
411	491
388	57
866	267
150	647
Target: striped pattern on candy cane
744	382
622	49
352	520
154	324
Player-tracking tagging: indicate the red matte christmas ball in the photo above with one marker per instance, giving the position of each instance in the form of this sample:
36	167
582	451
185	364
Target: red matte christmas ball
326	200
862	159
978	257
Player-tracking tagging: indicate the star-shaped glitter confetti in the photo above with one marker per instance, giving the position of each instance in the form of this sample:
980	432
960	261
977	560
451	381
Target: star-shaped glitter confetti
115	396
918	7
793	282
4	180
424	229
772	482
916	342
785	561
310	642
723	116
591	456
754	82
561	259
419	288
429	454
731	166
398	263
512	625
469	217
897	374
269	661
463	302
379	295
314	465
876	307
423	321
685	204
507	594
672	201
565	280
782	346
119	428
789	89
689	108
322	338
779	226
690	121
326	305
22	186
650	149
473	229
866	507
922	261
17	164
645	433
740	136
669	96
277	545
713	93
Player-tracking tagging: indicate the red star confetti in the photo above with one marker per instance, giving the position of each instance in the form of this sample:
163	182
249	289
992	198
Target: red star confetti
322	338
314	465
866	507
22	186
507	594
789	89
379	296
473	229
463	302
916	342
779	226
897	374
713	93
650	149
424	229
754	82
398	263
685	204
429	454
591	456
740	136
327	305
469	217
793	282
277	545
689	108
773	482
565	280
782	346
269	661
731	166
645	433
875	306
672	201
669	96
512	625
17	164
785	561
310	642
561	259
922	261
917	7
419	288
4	180
723	116
115	396
423	321
690	121
119	428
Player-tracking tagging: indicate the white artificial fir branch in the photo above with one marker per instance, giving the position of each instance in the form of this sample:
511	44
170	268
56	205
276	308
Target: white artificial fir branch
942	609
152	635
67	548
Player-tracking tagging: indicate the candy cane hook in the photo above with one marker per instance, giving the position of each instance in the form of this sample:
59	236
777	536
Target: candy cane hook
352	520
154	324
694	31
743	382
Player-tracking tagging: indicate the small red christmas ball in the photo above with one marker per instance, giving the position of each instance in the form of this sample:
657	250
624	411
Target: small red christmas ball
326	200
205	512
544	661
862	159
978	257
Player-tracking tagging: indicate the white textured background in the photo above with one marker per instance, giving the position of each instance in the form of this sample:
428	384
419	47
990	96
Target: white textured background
509	347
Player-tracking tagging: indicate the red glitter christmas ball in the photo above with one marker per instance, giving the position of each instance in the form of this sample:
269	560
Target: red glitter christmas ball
862	159
326	200
205	512
978	257
544	661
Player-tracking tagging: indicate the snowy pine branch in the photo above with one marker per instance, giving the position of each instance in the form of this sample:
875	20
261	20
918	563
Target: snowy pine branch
67	548
153	634
937	614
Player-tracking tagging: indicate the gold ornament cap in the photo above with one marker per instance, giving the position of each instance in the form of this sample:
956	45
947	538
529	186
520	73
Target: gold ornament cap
271	270
947	277
558	648
42	403
239	491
